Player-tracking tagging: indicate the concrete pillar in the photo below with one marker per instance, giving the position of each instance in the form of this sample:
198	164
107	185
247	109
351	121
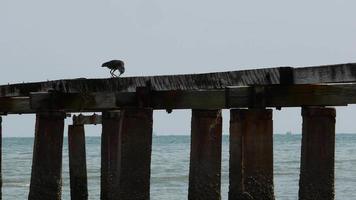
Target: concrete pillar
251	154
126	154
110	155
317	155
77	162
46	180
205	155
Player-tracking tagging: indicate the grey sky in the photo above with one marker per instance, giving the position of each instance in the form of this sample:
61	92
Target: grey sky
46	39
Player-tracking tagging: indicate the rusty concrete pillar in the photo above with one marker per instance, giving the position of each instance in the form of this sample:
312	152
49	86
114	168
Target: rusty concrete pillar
46	180
317	155
77	162
110	155
126	154
136	146
251	154
205	155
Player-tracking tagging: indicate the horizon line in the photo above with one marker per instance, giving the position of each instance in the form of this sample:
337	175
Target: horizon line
158	135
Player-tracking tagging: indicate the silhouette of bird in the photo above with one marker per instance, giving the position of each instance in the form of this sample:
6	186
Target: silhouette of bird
114	65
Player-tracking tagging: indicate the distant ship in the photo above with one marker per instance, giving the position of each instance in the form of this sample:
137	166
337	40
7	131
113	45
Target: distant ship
288	133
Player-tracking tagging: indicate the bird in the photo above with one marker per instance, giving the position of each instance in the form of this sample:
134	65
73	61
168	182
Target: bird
114	65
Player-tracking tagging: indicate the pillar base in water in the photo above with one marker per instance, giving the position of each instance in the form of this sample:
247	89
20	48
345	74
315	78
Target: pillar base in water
251	154
126	154
77	162
46	177
205	155
317	155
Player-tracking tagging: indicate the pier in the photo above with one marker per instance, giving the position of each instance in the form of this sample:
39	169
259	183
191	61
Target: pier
127	104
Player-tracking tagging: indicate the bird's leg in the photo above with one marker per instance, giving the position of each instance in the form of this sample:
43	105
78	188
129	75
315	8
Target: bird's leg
113	73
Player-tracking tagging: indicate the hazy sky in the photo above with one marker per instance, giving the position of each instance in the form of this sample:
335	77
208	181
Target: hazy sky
46	39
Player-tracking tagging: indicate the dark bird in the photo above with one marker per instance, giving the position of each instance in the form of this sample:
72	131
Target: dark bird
114	65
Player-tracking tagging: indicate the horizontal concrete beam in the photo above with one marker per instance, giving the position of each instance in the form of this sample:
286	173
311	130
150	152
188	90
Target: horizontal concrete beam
230	97
87	119
340	73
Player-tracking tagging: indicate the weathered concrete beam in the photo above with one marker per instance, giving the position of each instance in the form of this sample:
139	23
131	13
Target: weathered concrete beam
219	80
15	105
318	154
46	176
292	95
126	154
77	162
159	83
87	119
205	155
231	97
251	154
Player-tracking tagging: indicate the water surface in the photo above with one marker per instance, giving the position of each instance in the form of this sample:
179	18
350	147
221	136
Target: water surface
170	167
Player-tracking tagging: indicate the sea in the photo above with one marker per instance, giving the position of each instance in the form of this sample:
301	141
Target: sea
170	167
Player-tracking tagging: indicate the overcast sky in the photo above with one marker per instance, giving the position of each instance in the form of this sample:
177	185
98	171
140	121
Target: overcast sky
46	39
